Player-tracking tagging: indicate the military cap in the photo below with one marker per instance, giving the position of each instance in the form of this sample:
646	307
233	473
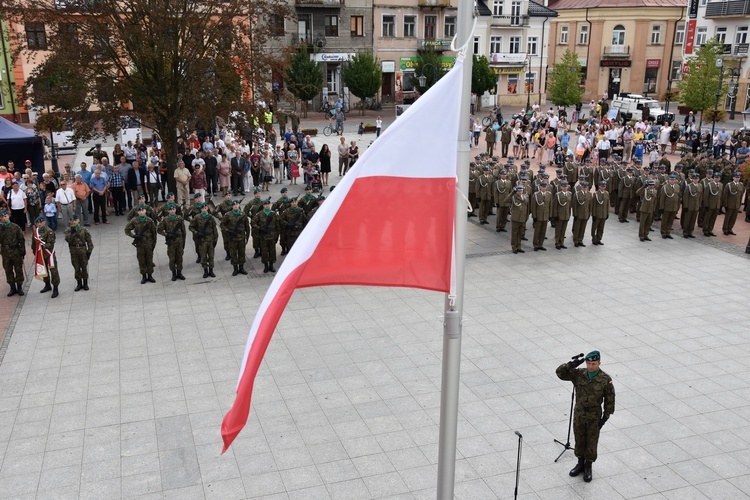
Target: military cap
477	157
737	174
197	195
519	188
472	164
256	190
593	356
284	190
485	168
142	206
682	155
294	200
522	179
652	172
171	206
267	201
308	187
503	172
3	212
73	217
543	184
581	177
511	158
235	202
629	169
558	171
495	158
40	219
331	188
678	166
602	183
651	182
585	184
672	175
141	196
545	176
662	167
228	193
170	194
709	172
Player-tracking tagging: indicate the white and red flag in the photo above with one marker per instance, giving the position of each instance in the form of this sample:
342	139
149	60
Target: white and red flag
389	222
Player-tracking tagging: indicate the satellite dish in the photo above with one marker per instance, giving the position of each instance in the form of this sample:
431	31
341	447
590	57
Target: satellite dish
320	43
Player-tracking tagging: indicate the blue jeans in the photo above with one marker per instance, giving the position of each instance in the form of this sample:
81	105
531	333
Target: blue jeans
51	222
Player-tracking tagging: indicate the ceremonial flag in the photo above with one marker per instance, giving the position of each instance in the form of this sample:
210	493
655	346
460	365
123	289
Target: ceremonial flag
389	222
40	267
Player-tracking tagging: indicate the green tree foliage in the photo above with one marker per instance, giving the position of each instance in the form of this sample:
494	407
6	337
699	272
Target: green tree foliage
699	86
363	76
482	77
428	65
304	77
564	81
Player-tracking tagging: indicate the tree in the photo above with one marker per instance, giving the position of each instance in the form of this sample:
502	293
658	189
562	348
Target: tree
482	77
175	65
699	86
304	78
363	76
428	64
564	81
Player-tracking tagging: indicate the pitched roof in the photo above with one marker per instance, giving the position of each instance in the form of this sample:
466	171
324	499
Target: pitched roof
585	4
539	10
483	9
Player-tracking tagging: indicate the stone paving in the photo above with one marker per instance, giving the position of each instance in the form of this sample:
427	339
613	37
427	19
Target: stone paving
120	391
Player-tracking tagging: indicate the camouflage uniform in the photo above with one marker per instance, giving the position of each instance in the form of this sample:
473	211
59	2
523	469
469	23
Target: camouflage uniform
266	222
80	247
172	227
293	220
220	212
45	237
143	231
251	209
235	228
150	213
279	206
204	232
12	249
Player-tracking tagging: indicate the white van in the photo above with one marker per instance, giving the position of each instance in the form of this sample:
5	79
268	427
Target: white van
635	106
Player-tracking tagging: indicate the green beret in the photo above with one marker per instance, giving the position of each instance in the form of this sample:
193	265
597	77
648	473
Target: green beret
321	198
40	219
235	202
256	191
141	207
331	189
170	195
197	195
267	201
284	190
171	206
308	187
593	356
141	196
228	193
73	217
294	199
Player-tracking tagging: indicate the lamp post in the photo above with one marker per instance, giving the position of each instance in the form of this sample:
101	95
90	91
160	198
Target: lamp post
423	79
53	150
527	66
733	87
732	73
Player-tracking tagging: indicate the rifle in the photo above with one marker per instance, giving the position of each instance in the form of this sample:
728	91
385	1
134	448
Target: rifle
138	238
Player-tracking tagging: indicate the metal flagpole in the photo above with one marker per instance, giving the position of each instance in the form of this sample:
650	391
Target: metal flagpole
454	305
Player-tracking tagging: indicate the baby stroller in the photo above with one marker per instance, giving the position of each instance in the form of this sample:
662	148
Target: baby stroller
316	183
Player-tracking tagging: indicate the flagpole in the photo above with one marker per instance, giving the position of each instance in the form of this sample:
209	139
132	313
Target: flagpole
454	305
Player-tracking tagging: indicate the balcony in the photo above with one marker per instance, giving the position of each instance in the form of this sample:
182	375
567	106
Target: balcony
438	45
319	3
504	21
732	8
429	4
616	51
513	58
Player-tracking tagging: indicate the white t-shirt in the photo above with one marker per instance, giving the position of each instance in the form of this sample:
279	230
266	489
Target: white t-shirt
553	121
16	199
63	197
199	162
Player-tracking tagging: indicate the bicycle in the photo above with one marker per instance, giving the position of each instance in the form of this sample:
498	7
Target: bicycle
491	117
329	129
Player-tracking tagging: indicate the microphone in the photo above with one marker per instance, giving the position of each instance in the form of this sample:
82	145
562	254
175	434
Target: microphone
518	434
577	356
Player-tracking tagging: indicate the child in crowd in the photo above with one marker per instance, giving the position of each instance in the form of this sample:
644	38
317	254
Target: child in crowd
50	213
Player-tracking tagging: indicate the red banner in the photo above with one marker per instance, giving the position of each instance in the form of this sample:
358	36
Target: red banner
653	63
690	36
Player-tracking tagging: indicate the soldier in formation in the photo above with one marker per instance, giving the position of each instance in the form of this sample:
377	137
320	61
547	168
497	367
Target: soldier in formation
142	229
172	227
12	249
203	227
266	222
44	240
80	247
235	229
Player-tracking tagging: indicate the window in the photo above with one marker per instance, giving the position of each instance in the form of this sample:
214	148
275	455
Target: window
449	29
410	26
430	27
529	81
618	35
496	44
515	45
721	34
701	34
513	83
531	45
36	38
332	80
515	13
357	26
497	8
332	25
583	35
276	25
676	73
476	46
703	3
656	34
563	35
389	26
741	35
679	36
584	72
649	81
68	31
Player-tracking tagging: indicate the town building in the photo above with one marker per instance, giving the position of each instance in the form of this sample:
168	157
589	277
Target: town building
624	46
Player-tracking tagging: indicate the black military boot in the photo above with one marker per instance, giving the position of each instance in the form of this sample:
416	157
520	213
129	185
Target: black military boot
577	469
174	275
235	270
257	253
587	471
47	286
271	268
79	285
211	272
227	257
19	289
283	251
205	272
55	293
13	290
198	259
179	275
86	285
265	267
242	269
150	278
144	279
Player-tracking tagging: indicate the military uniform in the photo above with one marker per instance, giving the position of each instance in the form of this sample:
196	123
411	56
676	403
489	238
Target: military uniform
45	238
734	191
472	189
235	228
593	390
307	202
704	200
599	214
267	223
570	170
150	213
581	212
519	214
143	231
279	206
541	206
172	227
206	235
293	219
626	191
648	197
669	203
484	193
561	207
253	207
12	249
712	202
224	208
503	190
80	246
164	210
691	205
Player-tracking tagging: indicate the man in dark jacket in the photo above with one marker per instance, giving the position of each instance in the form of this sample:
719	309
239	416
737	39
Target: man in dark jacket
135	181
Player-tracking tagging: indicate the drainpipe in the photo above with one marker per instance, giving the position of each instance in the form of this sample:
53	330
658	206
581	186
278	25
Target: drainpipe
8	70
669	66
541	62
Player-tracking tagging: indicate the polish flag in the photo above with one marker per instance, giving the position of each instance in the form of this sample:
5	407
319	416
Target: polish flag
389	222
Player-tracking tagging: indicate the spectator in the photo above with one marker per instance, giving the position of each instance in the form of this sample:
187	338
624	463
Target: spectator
82	192
66	202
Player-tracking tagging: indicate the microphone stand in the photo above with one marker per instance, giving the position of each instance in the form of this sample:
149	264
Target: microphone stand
518	462
566	445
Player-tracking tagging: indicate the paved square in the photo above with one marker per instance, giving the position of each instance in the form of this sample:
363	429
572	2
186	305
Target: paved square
120	391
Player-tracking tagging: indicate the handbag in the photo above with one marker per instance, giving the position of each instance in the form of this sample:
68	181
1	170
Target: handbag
268	178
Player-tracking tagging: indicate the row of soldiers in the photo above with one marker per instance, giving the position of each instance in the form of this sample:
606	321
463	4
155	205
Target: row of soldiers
264	222
626	188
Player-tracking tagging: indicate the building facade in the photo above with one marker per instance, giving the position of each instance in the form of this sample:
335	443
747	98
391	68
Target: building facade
729	23
634	47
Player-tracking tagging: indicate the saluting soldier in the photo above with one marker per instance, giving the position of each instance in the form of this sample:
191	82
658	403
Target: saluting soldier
236	228
503	190
267	223
599	212
80	246
669	204
593	390
307	203
172	227
143	231
484	193
626	190
164	209
732	201
519	214
691	205
45	238
541	205
206	235
561	207
712	203
149	211
253	207
12	249
581	213
648	197
224	208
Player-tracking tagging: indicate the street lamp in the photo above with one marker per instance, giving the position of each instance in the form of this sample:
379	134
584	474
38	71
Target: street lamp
423	79
732	73
527	66
53	150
